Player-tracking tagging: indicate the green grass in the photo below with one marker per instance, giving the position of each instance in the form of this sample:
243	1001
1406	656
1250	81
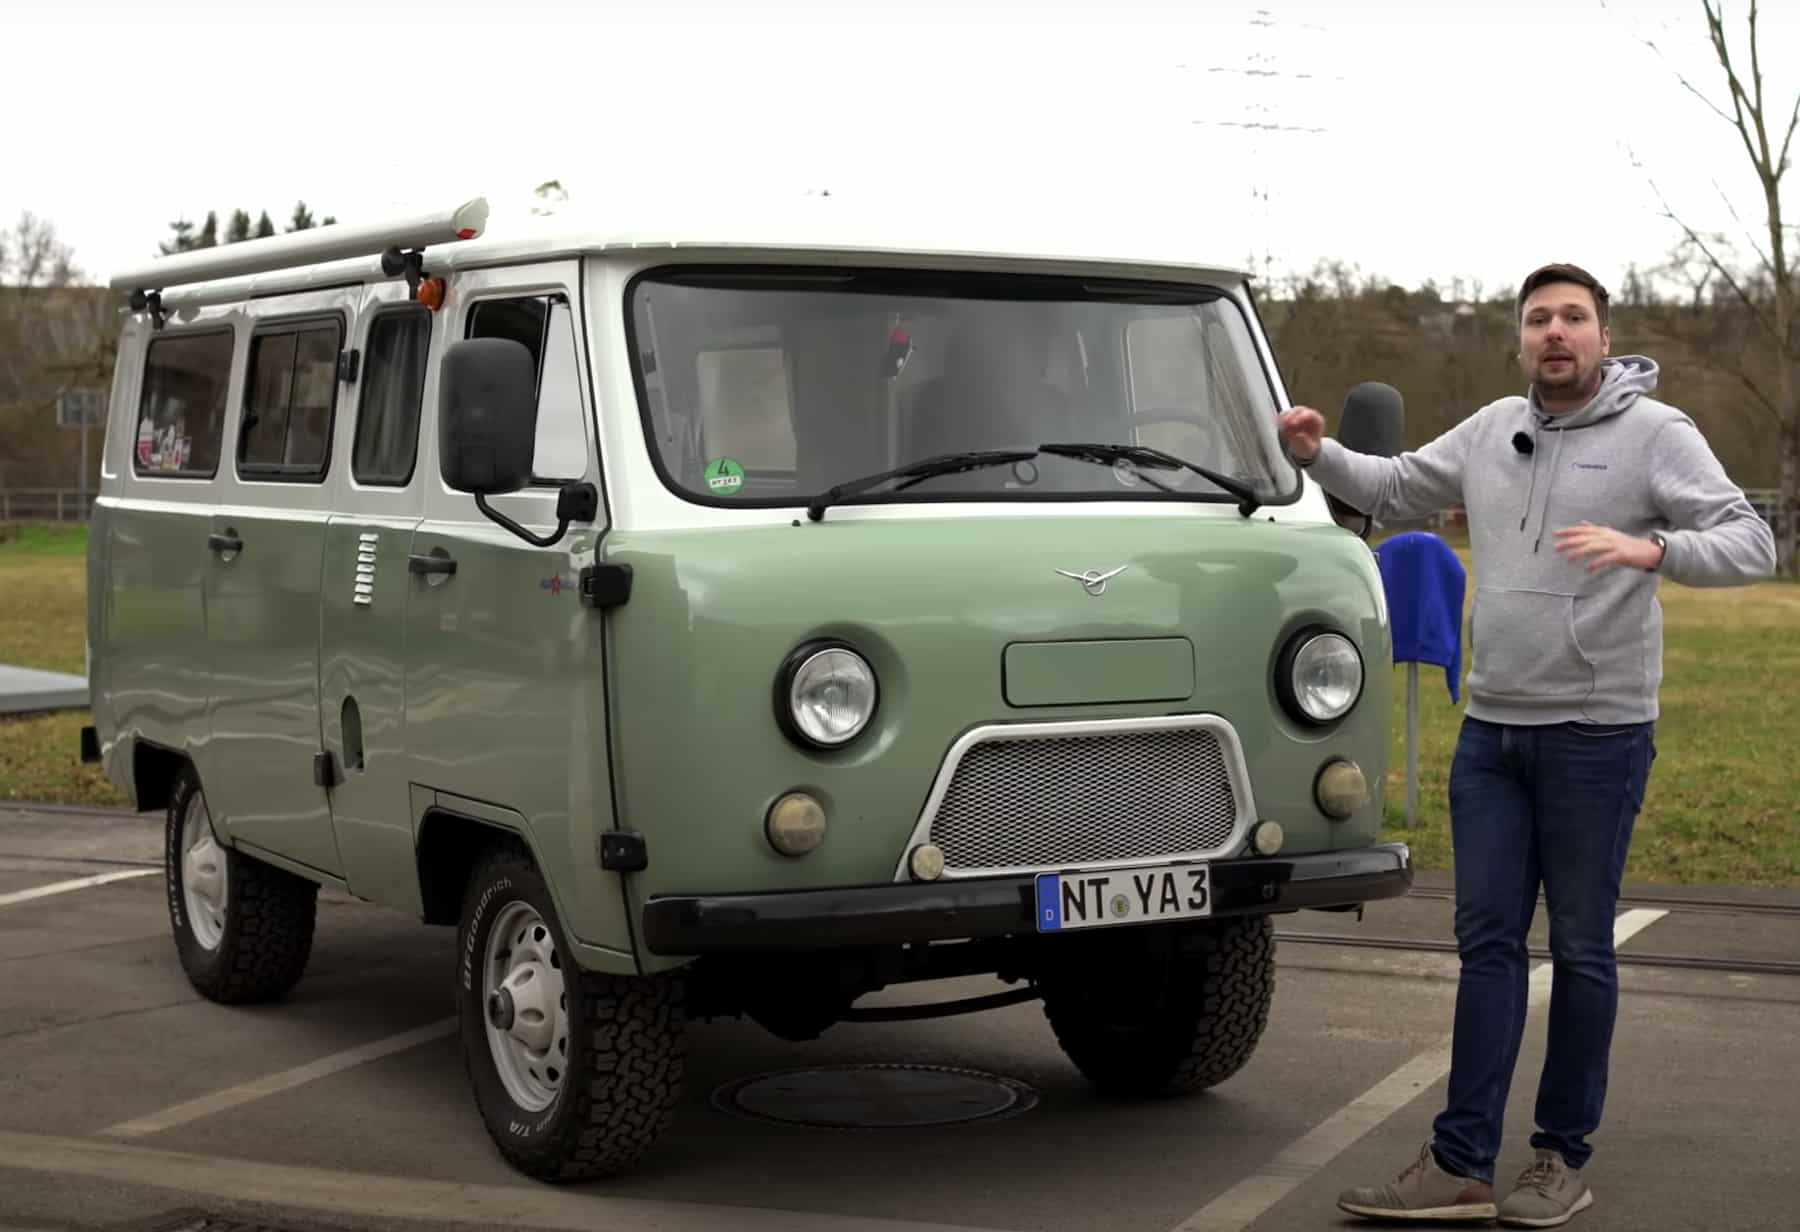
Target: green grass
43	539
1724	790
43	615
1721	805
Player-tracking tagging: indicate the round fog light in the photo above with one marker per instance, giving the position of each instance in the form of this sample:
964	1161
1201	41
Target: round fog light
796	824
1266	837
1341	789
926	862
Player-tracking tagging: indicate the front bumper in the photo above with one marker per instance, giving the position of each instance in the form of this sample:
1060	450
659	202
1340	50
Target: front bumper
992	907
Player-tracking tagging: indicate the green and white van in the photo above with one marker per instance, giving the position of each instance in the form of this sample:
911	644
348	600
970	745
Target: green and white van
733	622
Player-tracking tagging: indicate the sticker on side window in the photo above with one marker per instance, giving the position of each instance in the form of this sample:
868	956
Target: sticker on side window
724	476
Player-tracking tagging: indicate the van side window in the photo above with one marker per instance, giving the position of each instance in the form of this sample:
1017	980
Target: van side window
393	388
289	399
181	414
544	325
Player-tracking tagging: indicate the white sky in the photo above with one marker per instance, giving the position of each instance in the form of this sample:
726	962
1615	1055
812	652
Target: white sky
1474	139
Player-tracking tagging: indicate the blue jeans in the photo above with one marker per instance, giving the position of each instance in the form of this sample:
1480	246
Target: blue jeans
1555	802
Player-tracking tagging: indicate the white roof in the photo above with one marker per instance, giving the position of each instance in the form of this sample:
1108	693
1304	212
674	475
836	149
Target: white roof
827	225
817	227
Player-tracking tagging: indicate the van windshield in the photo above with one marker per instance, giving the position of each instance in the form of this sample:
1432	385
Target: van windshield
769	386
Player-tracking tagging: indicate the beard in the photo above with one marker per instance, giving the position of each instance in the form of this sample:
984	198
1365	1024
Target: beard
1577	380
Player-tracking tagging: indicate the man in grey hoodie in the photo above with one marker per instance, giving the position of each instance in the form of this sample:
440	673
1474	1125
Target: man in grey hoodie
1579	495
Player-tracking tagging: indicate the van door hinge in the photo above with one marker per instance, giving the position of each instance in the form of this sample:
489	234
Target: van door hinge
349	364
623	851
605	586
325	770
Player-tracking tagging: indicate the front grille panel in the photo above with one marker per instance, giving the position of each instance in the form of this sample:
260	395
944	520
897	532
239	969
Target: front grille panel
1067	799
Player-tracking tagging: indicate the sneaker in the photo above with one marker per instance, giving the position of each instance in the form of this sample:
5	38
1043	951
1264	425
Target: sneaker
1548	1194
1423	1191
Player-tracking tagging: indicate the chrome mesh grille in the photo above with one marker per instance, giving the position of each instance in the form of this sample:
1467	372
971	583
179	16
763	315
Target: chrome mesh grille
1086	798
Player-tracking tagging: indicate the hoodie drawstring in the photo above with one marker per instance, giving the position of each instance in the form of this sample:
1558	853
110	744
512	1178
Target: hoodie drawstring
1531	494
1549	490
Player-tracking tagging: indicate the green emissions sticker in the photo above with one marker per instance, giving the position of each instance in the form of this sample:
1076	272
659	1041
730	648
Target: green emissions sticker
724	476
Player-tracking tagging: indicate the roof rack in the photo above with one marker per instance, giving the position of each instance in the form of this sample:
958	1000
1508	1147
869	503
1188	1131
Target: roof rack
401	244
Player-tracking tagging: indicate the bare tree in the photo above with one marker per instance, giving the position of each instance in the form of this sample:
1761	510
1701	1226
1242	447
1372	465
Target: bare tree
31	255
1765	293
55	335
32	259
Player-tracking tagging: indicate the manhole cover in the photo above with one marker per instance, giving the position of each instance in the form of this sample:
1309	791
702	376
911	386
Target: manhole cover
875	1096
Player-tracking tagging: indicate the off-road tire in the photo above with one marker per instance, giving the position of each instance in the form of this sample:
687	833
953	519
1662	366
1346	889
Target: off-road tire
626	1044
1144	1015
268	919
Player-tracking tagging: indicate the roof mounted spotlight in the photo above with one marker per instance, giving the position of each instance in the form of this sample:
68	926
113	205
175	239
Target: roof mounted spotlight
141	300
411	263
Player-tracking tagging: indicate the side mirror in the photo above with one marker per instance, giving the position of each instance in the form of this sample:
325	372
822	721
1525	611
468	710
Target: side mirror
1374	419
488	423
488	432
1373	423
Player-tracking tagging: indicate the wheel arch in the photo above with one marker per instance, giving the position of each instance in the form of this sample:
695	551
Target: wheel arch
450	845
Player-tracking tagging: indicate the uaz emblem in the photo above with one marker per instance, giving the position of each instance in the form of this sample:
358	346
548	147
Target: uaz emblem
1094	581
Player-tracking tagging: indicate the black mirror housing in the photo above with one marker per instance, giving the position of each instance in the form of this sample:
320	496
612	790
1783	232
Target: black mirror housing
1374	420
488	412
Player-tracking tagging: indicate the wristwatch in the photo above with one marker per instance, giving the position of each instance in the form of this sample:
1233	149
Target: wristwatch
1656	537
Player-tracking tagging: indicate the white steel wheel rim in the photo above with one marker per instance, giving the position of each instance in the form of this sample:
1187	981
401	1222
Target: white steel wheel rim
530	1041
204	882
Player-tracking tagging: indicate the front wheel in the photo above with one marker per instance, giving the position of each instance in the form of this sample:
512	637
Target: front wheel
576	1073
1162	1013
243	929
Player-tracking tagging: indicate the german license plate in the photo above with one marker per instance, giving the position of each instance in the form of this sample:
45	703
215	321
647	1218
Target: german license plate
1122	896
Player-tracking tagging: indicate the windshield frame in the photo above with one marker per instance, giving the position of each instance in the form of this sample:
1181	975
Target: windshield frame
927	281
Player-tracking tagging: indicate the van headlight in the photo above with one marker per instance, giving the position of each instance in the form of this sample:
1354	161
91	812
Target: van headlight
1319	676
825	694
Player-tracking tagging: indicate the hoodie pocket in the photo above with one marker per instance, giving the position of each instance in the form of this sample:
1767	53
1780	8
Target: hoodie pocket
1525	647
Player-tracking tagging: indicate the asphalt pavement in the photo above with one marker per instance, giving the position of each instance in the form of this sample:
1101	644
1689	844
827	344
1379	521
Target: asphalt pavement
128	1102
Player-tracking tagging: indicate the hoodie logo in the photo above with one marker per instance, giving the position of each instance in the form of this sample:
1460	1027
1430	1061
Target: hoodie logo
1589	466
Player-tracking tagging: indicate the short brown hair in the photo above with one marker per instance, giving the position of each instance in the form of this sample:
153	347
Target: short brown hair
1544	275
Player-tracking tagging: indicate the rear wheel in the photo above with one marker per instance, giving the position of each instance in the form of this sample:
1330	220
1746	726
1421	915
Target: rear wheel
1163	1013
576	1073
243	929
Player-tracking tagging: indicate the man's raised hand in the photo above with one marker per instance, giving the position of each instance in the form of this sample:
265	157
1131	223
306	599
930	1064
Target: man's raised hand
1302	429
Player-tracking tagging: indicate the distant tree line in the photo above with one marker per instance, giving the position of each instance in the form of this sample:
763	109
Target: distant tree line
237	228
1450	349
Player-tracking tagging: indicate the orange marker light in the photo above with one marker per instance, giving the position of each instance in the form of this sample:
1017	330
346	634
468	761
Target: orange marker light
431	293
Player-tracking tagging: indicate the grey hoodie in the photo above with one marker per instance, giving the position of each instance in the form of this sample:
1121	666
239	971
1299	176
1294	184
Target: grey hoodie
1552	642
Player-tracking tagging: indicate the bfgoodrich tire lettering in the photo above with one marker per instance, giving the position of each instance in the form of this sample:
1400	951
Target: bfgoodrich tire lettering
1147	1015
617	1092
255	935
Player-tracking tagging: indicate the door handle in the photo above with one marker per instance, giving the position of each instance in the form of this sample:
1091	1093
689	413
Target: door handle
431	564
227	542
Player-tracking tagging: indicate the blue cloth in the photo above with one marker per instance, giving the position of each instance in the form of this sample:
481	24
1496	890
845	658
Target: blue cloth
1424	582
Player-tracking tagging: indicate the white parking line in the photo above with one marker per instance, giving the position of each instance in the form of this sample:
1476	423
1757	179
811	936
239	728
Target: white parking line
274	1084
1241	1205
369	1196
80	883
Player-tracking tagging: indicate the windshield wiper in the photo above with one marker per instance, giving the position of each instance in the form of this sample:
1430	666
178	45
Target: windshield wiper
914	472
1144	455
